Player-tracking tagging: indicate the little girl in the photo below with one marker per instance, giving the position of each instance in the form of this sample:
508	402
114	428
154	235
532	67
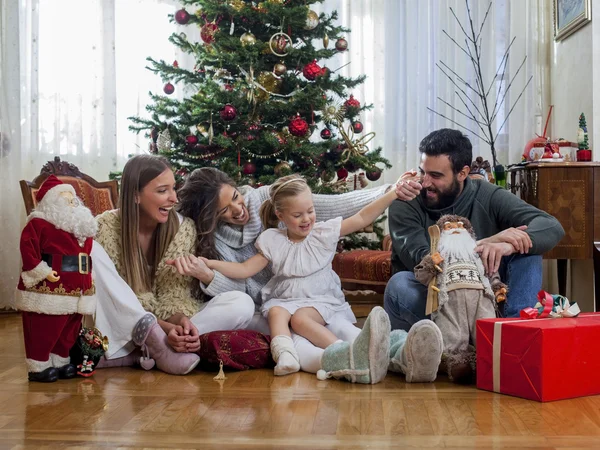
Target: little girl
304	290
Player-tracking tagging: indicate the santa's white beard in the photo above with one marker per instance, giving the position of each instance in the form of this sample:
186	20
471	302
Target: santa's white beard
459	246
77	220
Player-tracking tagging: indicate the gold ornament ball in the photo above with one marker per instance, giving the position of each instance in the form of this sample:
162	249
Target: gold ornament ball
269	81
325	41
279	69
247	39
260	95
276	2
312	20
282	167
238	5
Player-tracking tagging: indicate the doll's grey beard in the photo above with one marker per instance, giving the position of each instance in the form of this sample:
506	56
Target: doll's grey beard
459	247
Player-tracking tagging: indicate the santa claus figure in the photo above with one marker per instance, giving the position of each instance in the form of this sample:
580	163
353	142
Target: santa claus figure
464	294
56	285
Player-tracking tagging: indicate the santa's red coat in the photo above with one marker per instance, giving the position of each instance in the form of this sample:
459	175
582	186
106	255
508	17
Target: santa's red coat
73	293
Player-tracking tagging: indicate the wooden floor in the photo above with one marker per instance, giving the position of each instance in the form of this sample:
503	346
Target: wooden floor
129	408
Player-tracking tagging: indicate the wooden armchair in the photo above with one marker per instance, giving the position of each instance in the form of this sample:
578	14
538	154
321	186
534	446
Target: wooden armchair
364	275
99	196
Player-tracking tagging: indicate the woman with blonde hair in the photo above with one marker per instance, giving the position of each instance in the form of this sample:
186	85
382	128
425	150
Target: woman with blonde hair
143	301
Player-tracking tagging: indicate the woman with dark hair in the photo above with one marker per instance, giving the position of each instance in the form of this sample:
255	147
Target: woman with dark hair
228	224
143	301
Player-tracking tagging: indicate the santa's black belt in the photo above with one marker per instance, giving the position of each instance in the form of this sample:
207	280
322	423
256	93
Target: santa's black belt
81	263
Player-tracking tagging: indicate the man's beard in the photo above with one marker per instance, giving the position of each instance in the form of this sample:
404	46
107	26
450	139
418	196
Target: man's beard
77	220
459	246
444	198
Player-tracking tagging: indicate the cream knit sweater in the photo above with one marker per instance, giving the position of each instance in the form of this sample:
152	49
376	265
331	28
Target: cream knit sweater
171	292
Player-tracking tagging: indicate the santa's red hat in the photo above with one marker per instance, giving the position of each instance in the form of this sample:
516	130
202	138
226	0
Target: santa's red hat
49	183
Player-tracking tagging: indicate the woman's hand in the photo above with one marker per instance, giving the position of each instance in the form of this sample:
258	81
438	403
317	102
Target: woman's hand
192	266
183	336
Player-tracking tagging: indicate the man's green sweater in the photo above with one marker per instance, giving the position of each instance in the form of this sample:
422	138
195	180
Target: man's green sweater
490	209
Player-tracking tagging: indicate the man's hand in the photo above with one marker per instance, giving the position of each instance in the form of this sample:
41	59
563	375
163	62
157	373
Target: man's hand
517	237
407	187
491	255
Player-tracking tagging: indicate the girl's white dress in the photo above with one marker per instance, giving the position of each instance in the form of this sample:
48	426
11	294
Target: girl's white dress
302	272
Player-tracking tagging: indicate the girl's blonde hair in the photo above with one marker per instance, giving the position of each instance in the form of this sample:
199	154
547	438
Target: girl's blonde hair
137	173
282	189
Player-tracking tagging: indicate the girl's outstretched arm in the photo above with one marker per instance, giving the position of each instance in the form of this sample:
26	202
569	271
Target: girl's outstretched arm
247	269
368	214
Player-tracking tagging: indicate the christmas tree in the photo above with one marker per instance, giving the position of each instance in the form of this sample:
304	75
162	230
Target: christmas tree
582	134
260	101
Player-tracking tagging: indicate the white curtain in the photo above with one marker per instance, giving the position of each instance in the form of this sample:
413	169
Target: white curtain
397	45
69	78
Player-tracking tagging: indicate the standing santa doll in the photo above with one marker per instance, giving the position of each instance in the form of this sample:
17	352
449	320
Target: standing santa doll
464	293
56	286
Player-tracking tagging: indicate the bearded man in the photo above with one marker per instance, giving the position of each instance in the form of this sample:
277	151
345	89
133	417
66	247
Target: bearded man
55	287
464	294
512	234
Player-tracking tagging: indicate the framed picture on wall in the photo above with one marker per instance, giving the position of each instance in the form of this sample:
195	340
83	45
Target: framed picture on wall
570	16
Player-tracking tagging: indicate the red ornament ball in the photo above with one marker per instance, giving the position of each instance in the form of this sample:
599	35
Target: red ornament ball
182	172
228	87
357	127
169	88
312	70
208	31
326	133
175	63
341	45
342	173
298	126
191	140
228	113
182	17
249	168
352	102
374	175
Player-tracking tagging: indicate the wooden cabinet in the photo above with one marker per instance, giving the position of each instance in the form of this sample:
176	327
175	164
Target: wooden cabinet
571	193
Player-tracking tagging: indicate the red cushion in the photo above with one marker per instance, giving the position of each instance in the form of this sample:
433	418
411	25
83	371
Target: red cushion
363	265
238	349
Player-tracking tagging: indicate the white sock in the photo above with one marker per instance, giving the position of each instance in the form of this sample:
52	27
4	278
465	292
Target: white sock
285	355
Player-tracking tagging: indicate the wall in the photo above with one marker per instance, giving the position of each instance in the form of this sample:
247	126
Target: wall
574	62
571	81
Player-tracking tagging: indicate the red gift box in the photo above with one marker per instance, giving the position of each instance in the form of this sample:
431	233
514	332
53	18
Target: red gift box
540	359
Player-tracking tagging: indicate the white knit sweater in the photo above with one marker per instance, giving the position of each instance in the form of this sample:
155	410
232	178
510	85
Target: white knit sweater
235	243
